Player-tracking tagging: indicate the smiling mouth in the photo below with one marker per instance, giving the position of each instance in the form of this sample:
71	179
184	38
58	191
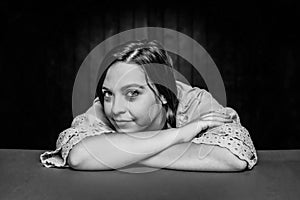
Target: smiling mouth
122	121
120	124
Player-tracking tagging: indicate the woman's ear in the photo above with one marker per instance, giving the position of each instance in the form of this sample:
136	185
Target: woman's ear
163	99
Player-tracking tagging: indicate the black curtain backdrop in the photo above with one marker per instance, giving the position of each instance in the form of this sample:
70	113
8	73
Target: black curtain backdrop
255	47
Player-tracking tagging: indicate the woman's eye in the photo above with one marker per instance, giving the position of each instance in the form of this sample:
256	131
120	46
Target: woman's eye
133	93
106	94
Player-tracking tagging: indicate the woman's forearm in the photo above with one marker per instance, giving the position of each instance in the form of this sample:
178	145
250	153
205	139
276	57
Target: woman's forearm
197	157
112	151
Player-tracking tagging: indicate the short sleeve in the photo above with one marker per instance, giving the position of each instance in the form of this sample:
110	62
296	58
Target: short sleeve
84	125
233	136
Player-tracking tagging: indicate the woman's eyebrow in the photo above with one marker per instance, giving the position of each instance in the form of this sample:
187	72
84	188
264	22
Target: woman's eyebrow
127	86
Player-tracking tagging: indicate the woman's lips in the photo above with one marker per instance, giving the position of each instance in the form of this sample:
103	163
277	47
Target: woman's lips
122	122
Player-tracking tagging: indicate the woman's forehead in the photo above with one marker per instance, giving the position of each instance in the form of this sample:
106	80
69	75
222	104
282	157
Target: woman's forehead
121	74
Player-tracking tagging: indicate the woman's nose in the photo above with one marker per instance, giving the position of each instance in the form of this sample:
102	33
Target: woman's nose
118	106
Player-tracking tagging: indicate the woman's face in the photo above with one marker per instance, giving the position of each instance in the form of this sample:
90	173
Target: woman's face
129	103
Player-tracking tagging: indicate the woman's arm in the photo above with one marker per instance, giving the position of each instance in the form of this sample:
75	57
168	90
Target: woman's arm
197	157
112	151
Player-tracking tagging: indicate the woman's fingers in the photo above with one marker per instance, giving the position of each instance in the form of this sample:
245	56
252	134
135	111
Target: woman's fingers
189	131
213	114
217	118
202	125
209	124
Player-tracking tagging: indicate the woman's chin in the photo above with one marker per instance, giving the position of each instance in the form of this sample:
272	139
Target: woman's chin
130	129
126	130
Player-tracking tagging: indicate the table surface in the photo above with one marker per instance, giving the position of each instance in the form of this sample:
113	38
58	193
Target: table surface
22	176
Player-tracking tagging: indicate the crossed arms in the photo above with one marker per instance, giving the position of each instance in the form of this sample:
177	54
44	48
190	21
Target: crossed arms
170	149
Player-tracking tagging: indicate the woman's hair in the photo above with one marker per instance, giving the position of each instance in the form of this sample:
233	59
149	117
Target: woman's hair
157	65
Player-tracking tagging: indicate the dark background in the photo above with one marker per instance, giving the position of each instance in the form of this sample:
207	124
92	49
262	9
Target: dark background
254	45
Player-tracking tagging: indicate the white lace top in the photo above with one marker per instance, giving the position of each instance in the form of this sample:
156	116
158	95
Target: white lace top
192	103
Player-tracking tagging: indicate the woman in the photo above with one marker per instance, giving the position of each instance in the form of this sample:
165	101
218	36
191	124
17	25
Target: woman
141	114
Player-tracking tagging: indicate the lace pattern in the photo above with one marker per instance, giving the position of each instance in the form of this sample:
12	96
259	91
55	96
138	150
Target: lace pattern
232	136
82	126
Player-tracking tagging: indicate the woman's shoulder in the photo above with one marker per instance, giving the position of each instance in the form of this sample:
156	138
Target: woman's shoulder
186	92
184	89
193	102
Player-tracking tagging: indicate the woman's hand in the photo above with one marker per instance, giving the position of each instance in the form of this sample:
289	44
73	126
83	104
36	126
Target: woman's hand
213	116
189	131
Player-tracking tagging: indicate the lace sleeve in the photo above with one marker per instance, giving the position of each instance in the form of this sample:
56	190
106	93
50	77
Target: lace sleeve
232	136
83	126
194	102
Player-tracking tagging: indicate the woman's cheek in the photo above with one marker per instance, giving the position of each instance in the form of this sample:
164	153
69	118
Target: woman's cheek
107	109
154	111
144	112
